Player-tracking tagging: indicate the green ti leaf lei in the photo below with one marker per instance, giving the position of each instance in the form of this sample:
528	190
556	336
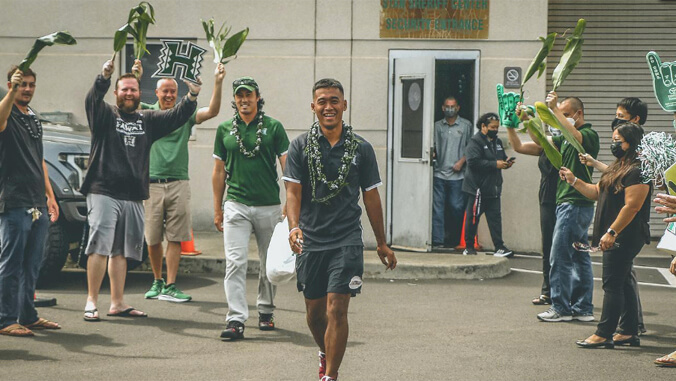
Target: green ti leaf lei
316	168
238	136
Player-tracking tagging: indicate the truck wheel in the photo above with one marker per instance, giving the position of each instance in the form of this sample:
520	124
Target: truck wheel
56	253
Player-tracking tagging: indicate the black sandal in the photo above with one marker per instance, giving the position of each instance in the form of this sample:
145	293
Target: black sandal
542	300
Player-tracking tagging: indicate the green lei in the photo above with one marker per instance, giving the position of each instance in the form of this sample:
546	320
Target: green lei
259	135
316	168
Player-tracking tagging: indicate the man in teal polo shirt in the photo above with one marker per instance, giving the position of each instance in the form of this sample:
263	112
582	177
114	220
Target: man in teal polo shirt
167	211
246	151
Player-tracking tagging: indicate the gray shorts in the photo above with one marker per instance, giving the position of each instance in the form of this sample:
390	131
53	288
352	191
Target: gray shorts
115	227
336	271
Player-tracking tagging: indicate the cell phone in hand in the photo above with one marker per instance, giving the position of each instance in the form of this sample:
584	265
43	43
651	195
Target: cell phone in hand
511	159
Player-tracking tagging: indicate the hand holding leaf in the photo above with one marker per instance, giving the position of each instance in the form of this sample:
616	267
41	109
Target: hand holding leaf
224	49
137	25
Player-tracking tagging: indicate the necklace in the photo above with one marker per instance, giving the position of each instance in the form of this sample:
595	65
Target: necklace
259	135
25	120
316	168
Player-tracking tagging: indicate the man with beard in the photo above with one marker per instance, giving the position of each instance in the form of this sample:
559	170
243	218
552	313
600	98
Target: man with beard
24	220
327	167
246	151
117	180
167	211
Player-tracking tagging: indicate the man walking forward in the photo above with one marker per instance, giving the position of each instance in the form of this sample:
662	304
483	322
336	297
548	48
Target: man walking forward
326	168
246	150
167	211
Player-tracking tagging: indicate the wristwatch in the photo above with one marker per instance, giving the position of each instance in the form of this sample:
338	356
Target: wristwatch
612	232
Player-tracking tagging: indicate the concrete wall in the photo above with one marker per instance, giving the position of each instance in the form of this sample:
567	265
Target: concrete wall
292	43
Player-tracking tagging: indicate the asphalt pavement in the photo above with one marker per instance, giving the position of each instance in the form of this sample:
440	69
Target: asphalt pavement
399	330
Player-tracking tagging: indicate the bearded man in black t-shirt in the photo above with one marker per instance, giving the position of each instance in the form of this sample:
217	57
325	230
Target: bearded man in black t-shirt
24	213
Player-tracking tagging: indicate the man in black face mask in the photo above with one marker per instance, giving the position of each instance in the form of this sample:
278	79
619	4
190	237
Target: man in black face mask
451	135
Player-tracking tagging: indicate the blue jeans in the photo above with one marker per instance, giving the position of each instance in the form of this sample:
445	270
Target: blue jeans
447	193
22	246
571	277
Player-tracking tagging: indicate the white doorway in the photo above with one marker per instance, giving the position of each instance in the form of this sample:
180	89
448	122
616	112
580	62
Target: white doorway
420	80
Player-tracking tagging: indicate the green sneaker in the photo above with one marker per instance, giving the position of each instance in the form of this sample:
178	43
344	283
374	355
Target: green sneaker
171	293
155	289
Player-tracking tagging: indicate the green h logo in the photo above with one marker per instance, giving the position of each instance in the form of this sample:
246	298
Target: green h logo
177	54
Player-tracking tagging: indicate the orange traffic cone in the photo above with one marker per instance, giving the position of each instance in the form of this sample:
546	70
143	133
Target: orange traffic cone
188	247
463	245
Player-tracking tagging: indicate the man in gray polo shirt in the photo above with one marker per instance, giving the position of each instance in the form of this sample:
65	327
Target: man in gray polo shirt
326	169
451	135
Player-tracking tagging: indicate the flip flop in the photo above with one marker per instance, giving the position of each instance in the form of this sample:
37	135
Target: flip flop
542	300
128	313
42	323
16	330
93	315
667	361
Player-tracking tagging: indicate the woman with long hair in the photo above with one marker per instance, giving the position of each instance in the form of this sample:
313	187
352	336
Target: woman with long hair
620	229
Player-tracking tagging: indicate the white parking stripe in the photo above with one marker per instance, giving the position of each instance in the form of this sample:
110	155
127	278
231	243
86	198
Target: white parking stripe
669	277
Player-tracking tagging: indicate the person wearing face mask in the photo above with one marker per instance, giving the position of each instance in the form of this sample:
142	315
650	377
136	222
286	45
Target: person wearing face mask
549	177
571	278
632	110
620	229
486	159
451	135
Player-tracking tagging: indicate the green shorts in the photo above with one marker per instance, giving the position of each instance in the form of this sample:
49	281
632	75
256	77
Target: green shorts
336	271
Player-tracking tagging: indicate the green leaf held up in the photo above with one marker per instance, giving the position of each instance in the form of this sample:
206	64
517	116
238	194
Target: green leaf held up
140	17
539	64
535	127
572	54
57	38
224	48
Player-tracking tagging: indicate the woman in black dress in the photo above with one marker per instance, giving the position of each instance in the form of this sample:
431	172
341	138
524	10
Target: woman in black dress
620	229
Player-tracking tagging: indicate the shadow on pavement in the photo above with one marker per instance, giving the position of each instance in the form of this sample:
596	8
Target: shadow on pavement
76	343
6	355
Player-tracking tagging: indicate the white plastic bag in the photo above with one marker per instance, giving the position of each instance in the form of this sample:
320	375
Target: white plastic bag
281	262
668	241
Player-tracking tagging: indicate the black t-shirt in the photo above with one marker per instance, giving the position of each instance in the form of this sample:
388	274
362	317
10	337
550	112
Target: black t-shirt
609	205
119	162
22	179
549	177
335	223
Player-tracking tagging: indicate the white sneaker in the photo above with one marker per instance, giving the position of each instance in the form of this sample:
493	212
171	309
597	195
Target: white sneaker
552	316
589	317
504	252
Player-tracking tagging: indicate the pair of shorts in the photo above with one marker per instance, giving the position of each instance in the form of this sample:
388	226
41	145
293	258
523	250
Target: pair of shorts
115	227
168	212
336	271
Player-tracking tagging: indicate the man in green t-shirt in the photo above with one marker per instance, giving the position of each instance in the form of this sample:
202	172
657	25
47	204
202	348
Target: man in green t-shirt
571	277
167	211
246	151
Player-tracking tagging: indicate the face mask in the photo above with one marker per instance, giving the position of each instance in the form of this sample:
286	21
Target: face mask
571	121
554	131
616	149
450	112
492	134
616	122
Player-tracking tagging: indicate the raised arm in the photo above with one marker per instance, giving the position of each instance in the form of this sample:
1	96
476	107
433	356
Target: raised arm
528	148
95	107
8	101
206	113
162	123
552	102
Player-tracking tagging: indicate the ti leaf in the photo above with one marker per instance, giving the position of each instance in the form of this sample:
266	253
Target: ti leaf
546	115
535	127
223	49
572	54
138	20
57	38
539	64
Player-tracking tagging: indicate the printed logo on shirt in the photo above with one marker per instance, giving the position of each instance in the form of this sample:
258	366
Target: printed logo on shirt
130	141
130	128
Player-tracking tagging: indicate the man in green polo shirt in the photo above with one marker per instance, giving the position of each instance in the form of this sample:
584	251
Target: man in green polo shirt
246	151
167	211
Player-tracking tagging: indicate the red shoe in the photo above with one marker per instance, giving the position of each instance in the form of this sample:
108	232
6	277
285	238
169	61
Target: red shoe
322	365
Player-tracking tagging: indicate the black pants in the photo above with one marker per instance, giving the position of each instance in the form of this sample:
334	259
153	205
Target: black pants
623	327
547	223
490	206
619	296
